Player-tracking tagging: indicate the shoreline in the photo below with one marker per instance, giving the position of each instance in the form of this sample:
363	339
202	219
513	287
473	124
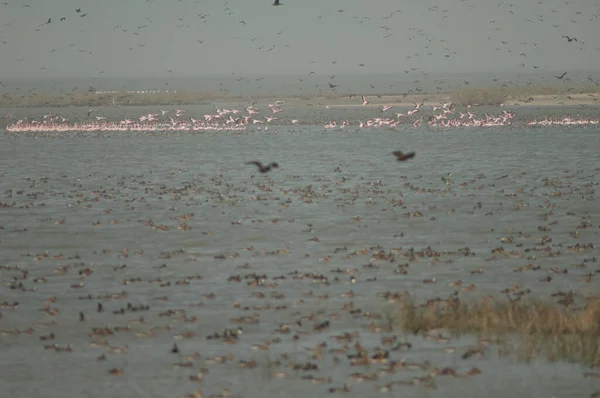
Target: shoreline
387	111
465	98
583	99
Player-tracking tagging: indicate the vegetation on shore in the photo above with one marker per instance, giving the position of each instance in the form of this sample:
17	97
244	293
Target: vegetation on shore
528	330
461	97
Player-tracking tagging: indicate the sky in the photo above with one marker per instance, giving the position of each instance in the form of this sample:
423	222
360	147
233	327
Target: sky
171	39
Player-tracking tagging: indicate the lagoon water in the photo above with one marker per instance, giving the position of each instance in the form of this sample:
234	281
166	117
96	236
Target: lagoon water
146	214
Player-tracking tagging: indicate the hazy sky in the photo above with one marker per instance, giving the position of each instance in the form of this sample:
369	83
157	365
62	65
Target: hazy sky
142	38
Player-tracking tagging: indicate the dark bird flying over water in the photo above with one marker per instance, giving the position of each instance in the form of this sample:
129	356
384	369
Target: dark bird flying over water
561	76
570	39
262	168
277	3
402	157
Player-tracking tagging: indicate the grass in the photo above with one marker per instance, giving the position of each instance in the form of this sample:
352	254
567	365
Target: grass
540	329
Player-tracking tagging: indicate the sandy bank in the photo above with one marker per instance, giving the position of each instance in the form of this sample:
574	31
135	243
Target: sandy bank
588	99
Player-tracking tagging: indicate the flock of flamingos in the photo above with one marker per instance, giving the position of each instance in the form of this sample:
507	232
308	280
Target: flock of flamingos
233	120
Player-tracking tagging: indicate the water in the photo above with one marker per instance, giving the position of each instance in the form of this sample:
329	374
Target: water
504	182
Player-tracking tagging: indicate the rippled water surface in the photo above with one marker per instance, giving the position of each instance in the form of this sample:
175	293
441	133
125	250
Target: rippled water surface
170	221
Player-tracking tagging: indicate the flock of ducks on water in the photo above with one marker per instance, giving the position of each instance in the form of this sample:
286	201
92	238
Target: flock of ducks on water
288	306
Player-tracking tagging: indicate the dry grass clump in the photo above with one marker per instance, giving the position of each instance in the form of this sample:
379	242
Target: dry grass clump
541	328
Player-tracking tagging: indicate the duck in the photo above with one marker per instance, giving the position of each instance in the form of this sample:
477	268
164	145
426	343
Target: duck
402	157
262	168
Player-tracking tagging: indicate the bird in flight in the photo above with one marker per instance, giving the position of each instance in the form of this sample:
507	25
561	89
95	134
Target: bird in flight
402	157
262	168
561	76
277	3
570	39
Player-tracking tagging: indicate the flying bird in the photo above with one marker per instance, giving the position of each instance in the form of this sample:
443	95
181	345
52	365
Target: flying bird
402	157
277	3
262	168
570	39
561	76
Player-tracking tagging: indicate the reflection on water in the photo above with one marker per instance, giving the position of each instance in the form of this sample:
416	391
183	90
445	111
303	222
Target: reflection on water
146	215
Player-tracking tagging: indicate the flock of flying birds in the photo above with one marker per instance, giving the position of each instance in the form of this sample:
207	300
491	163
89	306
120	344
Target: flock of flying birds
400	157
434	47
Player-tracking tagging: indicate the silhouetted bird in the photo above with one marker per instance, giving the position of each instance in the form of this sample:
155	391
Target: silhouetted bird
262	168
277	3
561	76
570	39
402	157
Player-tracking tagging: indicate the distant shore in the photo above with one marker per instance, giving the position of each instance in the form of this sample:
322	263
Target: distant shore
587	99
494	96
